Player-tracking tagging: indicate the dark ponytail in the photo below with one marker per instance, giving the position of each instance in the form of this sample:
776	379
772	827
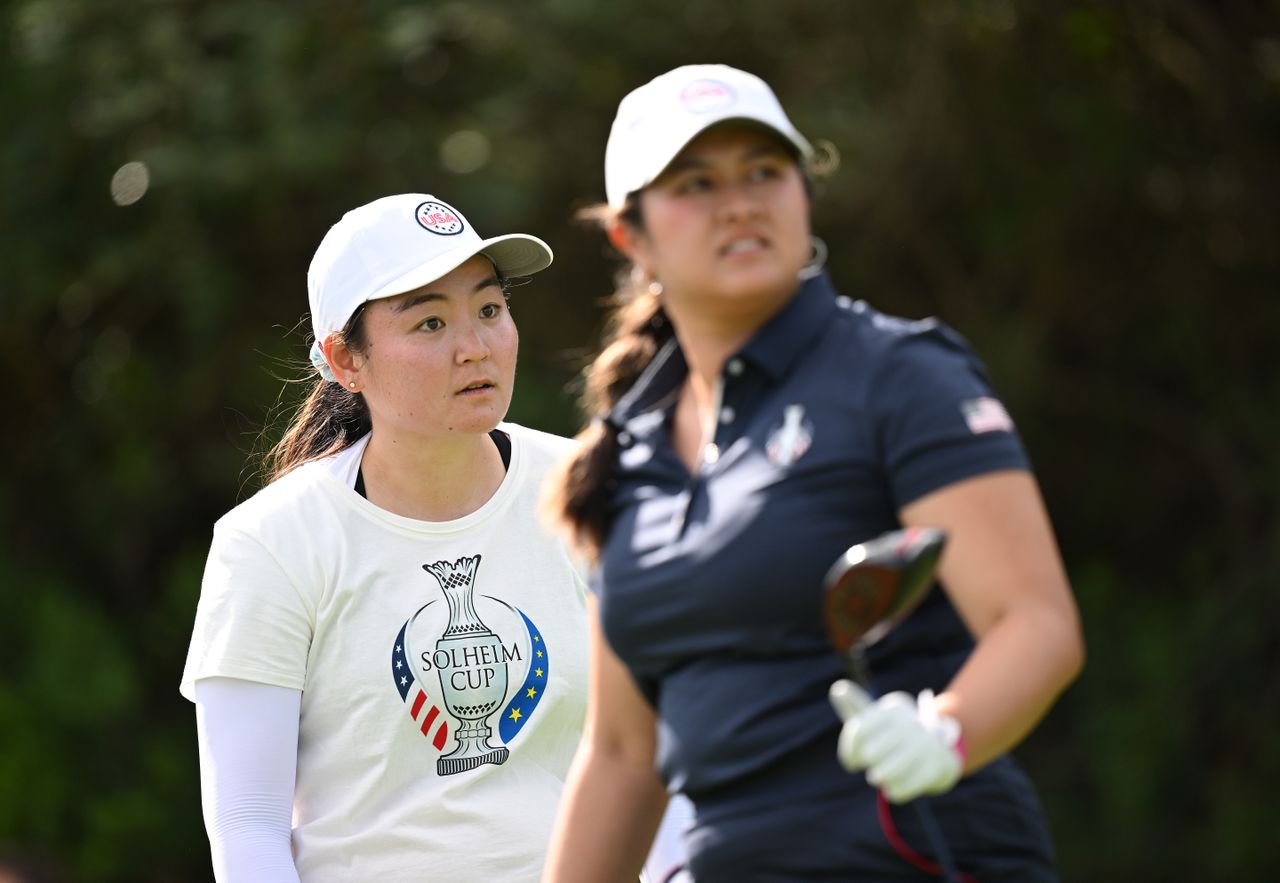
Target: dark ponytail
330	419
579	491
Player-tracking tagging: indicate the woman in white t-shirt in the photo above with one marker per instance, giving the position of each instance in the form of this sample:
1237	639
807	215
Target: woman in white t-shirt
388	661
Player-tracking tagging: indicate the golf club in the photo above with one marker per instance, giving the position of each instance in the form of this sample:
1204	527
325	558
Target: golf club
869	590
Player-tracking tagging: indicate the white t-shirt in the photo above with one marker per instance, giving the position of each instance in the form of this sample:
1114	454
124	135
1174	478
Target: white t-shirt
442	667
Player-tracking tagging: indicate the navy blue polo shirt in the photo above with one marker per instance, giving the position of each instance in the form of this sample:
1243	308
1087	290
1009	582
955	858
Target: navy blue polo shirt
831	419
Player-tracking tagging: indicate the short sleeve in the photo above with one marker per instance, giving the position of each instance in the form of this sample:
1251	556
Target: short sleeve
252	621
937	419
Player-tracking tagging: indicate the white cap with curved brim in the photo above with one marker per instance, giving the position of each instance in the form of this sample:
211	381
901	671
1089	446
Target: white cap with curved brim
657	120
396	244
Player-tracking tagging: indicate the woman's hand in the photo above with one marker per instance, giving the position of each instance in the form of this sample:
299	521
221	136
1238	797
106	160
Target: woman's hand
905	746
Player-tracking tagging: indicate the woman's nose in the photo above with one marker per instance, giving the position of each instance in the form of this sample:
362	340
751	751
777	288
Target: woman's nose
738	202
471	345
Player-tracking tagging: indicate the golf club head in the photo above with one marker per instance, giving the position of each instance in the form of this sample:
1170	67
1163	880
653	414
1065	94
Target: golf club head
875	585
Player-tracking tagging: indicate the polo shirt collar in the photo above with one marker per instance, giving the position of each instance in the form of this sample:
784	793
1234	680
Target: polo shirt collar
773	349
783	339
659	380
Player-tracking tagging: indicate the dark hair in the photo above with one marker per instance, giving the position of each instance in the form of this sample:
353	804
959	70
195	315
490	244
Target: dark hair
578	491
328	420
635	327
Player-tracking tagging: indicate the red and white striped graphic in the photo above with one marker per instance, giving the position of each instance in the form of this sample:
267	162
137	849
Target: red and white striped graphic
425	720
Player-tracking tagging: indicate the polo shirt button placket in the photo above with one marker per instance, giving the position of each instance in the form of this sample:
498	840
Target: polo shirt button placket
732	369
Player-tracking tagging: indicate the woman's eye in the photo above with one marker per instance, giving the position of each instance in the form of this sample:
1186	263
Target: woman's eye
490	311
764	173
697	184
431	324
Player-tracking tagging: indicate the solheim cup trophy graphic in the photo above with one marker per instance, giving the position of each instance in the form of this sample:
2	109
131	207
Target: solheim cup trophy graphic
473	676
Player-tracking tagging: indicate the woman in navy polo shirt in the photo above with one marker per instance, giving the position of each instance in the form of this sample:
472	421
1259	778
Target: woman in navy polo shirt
751	425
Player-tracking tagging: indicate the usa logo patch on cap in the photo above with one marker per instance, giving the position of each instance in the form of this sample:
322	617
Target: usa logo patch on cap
702	96
438	218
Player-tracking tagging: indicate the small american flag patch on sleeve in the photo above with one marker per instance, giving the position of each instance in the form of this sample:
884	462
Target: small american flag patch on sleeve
986	414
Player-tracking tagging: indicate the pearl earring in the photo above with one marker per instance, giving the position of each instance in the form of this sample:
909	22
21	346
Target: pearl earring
351	383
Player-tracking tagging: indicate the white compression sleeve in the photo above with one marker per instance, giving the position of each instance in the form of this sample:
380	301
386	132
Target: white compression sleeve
248	735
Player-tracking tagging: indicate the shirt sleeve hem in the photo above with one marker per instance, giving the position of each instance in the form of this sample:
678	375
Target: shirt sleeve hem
926	483
240	672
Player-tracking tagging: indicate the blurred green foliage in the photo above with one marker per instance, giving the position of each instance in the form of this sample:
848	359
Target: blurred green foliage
1087	190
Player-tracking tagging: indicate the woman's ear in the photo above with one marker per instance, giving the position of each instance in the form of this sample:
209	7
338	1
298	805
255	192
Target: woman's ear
342	361
620	236
630	241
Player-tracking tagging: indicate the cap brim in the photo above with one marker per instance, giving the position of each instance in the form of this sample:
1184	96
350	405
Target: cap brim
792	139
515	254
678	141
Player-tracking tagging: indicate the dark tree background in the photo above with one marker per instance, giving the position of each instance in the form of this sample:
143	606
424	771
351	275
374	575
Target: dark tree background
1087	190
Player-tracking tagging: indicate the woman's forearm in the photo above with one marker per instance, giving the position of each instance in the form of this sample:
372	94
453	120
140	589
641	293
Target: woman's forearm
610	812
248	738
1005	576
1020	666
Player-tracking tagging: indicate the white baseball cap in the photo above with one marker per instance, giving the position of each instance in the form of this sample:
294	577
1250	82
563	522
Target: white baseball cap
396	244
657	120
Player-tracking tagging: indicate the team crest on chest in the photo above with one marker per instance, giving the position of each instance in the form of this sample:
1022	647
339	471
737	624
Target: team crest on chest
465	663
789	440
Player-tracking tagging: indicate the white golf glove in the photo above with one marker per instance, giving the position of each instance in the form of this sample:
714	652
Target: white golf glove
905	746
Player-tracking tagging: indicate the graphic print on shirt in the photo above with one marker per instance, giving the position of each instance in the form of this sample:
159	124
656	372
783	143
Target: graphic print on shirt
454	665
788	441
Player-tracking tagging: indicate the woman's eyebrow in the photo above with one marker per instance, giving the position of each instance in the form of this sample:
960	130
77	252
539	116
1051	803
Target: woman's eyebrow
685	163
408	303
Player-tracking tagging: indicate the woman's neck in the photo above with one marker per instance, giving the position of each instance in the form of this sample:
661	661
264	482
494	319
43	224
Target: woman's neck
710	334
708	338
440	479
706	347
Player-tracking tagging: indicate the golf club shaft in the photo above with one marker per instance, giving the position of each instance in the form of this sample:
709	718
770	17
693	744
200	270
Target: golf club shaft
860	673
933	831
